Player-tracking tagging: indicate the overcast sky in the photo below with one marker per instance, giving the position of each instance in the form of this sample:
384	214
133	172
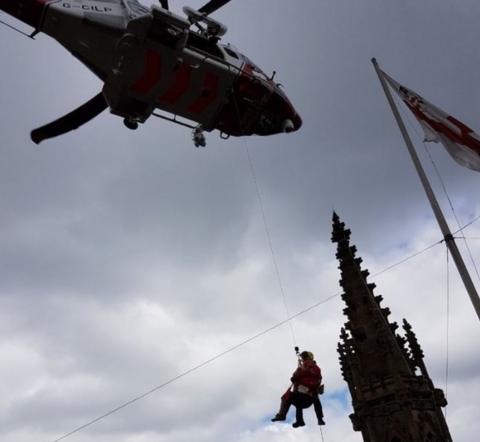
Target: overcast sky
126	258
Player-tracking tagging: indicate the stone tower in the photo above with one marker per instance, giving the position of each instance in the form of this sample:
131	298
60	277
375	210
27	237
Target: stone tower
394	399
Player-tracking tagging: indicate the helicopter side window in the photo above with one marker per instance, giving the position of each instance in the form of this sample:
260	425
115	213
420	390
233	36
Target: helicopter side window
168	35
201	44
136	7
231	53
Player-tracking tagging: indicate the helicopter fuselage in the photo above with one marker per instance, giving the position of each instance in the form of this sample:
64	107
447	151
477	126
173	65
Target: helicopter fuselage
151	59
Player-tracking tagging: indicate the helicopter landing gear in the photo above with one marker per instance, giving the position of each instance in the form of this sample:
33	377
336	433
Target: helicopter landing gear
198	136
130	123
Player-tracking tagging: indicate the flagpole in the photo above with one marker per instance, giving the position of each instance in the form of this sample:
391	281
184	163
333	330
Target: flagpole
447	235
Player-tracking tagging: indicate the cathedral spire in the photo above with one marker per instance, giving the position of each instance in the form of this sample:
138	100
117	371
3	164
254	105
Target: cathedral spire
391	401
368	325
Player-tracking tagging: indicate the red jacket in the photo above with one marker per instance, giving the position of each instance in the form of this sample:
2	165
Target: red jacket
309	375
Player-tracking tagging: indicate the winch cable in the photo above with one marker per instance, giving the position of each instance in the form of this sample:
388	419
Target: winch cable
231	349
265	223
269	241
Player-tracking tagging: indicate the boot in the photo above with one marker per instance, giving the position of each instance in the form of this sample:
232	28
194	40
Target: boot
317	405
299	416
282	413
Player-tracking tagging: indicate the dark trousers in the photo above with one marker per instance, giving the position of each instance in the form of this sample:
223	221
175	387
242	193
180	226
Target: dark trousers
300	401
317	405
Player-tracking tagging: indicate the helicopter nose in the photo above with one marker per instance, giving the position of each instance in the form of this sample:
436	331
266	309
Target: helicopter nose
297	121
290	121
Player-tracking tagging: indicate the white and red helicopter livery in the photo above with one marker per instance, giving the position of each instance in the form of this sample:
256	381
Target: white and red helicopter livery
151	58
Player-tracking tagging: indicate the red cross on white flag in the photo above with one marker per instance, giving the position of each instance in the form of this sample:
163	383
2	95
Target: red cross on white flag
461	142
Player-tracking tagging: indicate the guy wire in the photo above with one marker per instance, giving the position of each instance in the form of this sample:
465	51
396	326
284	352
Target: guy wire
444	188
447	337
223	353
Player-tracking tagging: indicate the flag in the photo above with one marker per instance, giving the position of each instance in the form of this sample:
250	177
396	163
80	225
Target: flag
461	142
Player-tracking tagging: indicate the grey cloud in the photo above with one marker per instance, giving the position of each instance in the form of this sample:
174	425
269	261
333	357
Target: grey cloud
129	257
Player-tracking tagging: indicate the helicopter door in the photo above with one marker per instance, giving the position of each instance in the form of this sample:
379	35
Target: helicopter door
195	86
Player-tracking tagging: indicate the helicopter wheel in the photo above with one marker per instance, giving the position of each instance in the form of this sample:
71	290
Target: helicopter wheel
131	124
199	137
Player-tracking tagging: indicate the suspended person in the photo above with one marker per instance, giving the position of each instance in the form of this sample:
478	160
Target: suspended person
306	385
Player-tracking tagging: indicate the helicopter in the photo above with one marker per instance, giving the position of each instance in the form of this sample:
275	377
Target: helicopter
152	59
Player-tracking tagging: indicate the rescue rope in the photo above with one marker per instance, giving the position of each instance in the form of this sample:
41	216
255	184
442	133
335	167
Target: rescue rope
269	240
265	223
223	353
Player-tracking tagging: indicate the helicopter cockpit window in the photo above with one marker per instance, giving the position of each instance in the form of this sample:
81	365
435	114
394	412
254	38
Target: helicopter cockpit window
202	44
255	69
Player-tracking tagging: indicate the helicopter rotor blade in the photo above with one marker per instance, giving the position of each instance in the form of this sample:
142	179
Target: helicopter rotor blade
72	120
164	4
212	6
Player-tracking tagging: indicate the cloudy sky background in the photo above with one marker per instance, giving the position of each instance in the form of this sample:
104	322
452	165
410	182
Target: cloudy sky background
126	258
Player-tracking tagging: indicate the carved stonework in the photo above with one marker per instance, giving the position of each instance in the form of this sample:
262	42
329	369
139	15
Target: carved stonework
393	397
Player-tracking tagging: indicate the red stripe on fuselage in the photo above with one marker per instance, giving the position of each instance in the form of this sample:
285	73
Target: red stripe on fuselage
151	75
180	85
208	94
